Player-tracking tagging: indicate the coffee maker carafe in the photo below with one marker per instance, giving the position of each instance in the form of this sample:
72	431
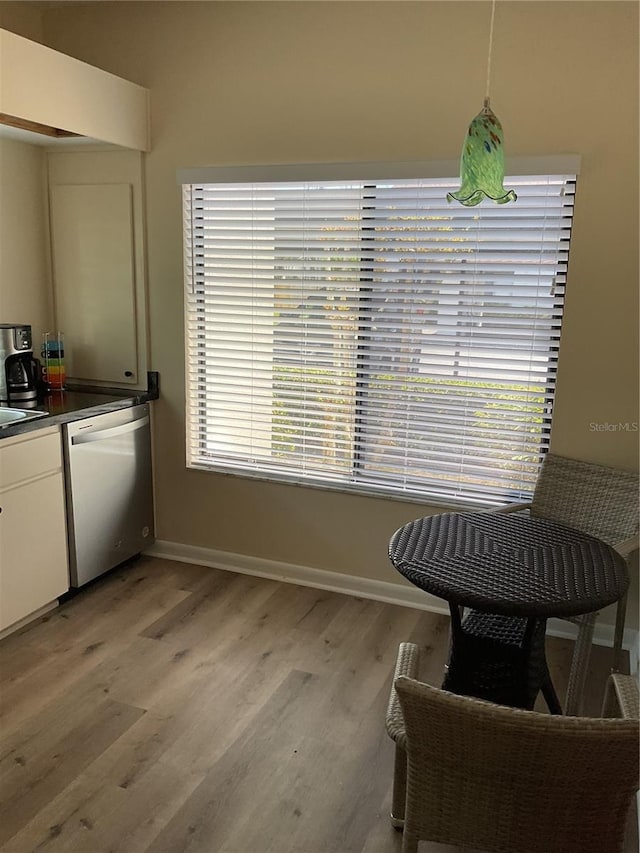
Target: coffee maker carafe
17	377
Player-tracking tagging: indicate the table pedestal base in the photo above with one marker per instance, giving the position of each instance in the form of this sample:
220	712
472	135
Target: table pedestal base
500	659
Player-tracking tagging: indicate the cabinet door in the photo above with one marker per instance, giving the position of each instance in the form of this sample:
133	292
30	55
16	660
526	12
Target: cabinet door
94	276
33	547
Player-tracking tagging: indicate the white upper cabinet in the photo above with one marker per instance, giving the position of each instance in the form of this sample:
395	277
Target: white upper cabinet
96	216
94	270
40	86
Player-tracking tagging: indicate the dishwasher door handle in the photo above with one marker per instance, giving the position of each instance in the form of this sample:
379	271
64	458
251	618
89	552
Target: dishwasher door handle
111	432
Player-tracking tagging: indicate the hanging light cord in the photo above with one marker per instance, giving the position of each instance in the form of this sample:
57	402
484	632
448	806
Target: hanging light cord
493	14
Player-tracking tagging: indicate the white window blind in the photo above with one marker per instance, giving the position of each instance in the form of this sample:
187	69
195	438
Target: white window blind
367	335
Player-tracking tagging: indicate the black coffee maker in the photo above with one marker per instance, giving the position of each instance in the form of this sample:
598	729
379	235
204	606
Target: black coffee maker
17	366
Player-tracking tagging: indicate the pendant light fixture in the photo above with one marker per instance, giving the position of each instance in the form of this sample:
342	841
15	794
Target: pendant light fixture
482	159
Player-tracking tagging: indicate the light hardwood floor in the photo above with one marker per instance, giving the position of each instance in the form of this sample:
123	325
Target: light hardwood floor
172	708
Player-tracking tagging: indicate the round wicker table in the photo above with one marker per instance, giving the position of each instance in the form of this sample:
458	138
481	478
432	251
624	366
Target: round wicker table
513	571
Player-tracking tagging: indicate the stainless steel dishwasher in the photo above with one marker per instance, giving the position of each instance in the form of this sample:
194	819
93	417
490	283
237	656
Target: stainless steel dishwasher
109	490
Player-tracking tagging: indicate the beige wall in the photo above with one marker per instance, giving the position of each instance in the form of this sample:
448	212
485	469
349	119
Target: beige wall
269	82
22	18
25	295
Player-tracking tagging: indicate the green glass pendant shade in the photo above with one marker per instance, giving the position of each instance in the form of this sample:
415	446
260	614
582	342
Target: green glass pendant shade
482	162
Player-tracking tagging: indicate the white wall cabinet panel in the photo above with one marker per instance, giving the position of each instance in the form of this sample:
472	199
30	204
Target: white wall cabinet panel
33	540
96	220
94	280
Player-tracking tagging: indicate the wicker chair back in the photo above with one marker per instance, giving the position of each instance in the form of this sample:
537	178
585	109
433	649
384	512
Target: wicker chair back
510	781
595	499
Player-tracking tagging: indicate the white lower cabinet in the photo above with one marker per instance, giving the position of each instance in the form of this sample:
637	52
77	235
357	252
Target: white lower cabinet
33	540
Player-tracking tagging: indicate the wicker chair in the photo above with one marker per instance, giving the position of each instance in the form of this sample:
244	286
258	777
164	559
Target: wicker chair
602	502
504	780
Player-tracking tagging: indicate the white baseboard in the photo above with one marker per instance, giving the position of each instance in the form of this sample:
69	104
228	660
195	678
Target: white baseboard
391	593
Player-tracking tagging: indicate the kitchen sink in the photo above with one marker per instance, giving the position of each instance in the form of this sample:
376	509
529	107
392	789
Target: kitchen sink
10	416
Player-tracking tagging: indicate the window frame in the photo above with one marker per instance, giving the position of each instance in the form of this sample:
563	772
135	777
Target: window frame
332	172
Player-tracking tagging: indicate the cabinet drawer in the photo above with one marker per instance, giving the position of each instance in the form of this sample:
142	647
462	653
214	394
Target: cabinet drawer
29	457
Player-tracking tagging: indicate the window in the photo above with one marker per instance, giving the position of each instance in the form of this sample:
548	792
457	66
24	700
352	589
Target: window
367	335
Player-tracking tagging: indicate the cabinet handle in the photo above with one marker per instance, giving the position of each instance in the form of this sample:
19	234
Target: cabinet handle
110	432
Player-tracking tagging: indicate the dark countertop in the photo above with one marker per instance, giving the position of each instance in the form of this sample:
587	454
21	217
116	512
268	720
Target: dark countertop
75	403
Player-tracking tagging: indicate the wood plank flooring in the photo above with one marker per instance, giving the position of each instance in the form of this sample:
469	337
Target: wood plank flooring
172	708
